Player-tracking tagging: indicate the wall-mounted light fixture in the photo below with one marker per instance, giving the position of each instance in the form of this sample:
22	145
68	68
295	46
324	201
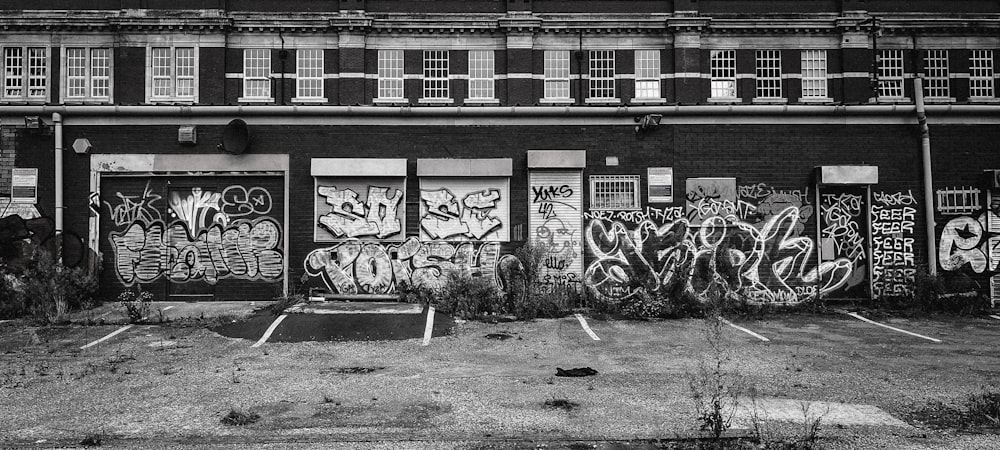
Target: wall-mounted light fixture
647	122
32	122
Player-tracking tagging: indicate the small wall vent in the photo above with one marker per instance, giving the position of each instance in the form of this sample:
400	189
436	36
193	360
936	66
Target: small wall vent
187	135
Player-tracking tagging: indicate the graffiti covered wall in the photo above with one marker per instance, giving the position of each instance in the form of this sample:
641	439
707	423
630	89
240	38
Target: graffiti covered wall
554	220
370	208
893	215
844	234
464	209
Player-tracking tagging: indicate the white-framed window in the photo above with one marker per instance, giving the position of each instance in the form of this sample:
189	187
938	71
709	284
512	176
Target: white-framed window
88	74
722	65
309	74
436	86
556	74
890	74
936	81
256	74
390	74
814	82
25	73
602	74
768	74
647	74
173	74
614	192
981	74
481	74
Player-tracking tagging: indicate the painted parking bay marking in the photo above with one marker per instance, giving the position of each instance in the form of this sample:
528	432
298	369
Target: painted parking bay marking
429	328
856	316
109	336
270	329
751	333
995	316
583	323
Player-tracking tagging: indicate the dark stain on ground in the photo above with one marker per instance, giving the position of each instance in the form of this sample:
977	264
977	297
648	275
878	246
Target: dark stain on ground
561	403
337	327
499	336
350	370
577	372
285	415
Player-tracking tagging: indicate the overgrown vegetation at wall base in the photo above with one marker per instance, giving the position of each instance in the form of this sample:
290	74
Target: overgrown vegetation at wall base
136	304
950	293
46	290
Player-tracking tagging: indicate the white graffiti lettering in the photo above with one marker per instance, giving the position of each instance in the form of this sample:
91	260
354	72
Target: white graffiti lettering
349	217
444	218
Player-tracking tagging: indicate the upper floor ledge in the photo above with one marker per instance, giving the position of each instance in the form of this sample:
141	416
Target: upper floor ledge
502	111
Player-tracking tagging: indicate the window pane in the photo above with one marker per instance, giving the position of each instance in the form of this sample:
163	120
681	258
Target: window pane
100	70
936	73
390	74
556	74
647	73
309	73
981	73
602	74
768	74
76	72
890	74
436	74
185	72
481	73
814	73
162	79
37	71
723	73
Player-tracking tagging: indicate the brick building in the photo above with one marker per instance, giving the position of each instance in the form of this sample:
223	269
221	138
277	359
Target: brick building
226	149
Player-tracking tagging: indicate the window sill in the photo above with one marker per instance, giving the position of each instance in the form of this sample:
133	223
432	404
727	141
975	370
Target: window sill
482	101
603	101
29	101
614	209
894	100
939	99
390	101
86	101
725	100
984	100
435	101
770	101
815	100
648	100
557	101
309	100
255	100
169	101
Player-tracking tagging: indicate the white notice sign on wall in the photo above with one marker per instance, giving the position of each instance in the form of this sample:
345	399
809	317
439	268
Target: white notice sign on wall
24	186
661	184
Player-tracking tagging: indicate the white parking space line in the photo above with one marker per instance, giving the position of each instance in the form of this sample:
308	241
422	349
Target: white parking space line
751	333
109	336
429	328
891	328
171	306
270	329
995	316
583	322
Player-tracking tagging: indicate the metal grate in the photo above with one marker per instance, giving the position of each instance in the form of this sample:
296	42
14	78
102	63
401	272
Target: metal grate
614	192
647	74
814	74
723	71
963	200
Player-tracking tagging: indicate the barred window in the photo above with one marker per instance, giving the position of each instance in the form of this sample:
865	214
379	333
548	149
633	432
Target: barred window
768	74
390	74
172	73
890	74
614	192
481	73
814	74
981	74
309	74
723	73
25	73
88	73
556	74
257	74
936	83
647	74
602	74
436	74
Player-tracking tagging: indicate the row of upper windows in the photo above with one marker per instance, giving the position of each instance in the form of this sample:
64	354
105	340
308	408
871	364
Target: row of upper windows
172	75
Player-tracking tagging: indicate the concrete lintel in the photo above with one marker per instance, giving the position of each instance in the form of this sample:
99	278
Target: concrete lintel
557	159
848	174
185	163
483	167
348	167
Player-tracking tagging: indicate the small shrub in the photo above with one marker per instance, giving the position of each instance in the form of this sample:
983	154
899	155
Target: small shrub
47	290
950	293
93	440
240	418
469	297
136	304
423	295
530	293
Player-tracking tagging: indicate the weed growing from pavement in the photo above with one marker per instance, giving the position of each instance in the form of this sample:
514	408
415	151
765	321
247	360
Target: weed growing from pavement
561	403
978	410
136	304
239	417
93	440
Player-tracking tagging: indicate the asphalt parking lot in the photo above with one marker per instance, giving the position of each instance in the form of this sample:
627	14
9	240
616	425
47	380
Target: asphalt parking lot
479	385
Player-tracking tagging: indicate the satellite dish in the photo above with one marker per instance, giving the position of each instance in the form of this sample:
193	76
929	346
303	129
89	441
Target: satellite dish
236	137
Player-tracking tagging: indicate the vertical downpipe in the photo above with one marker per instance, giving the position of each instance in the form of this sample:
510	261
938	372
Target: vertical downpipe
57	124
925	148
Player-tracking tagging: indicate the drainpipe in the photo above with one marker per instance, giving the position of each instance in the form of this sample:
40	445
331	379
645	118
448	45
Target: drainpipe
925	148
57	124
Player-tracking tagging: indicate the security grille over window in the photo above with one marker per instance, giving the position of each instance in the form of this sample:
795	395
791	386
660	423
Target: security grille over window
890	74
647	74
602	74
768	74
556	74
814	74
963	200
436	74
309	74
614	192
723	71
481	73
256	73
390	74
981	74
936	74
